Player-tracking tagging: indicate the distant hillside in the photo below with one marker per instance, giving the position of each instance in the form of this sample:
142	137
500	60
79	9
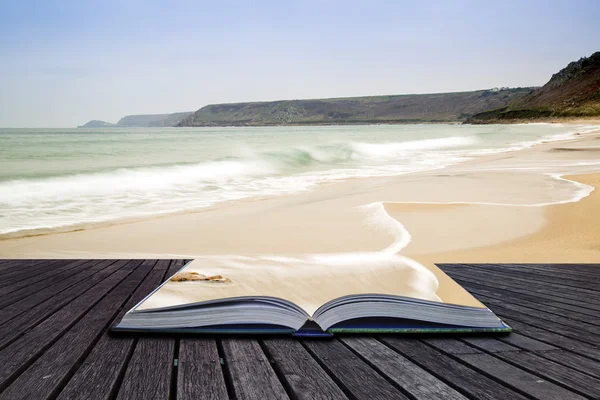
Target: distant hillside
572	92
97	124
413	108
171	119
140	120
153	119
147	120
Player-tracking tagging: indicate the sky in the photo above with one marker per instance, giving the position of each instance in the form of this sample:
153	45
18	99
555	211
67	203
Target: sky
63	63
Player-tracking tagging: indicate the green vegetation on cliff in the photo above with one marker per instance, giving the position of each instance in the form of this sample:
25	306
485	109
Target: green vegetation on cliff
572	92
413	108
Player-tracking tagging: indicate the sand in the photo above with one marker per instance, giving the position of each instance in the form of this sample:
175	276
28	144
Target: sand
570	235
532	205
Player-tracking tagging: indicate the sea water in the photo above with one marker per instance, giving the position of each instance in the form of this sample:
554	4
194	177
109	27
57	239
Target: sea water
55	178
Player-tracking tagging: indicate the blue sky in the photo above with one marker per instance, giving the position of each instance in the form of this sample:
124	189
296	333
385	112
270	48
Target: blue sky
66	62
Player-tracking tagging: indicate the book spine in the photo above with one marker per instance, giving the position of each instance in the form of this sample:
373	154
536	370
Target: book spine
312	334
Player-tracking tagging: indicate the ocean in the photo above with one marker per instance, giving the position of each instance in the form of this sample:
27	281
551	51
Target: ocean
56	178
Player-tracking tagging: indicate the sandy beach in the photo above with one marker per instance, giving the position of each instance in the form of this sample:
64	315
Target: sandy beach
569	235
533	205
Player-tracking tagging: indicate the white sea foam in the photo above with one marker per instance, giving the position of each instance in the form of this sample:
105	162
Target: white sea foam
580	191
380	219
387	150
53	202
126	181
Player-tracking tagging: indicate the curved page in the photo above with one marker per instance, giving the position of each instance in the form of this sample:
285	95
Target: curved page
308	281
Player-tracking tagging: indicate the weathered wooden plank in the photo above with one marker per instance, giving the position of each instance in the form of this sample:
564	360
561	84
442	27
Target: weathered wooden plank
239	356
199	372
547	277
513	375
45	276
483	273
536	311
7	264
563	357
355	375
98	377
573	361
171	266
531	288
570	363
507	373
572	311
582	333
517	377
46	376
21	353
560	270
451	345
250	372
17	292
575	381
568	304
525	342
578	274
36	298
18	274
148	374
455	374
146	348
407	375
566	268
16	326
493	345
553	338
22	263
300	372
583	294
589	299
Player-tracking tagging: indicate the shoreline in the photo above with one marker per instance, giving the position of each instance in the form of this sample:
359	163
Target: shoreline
90	225
558	120
388	187
544	120
570	234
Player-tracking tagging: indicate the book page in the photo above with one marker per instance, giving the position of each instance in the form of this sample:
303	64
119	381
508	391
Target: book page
308	281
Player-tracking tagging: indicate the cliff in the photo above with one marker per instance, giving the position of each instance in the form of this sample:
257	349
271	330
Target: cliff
573	92
146	120
413	108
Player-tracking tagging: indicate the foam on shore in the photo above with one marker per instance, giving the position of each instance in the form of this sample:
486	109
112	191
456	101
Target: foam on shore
380	219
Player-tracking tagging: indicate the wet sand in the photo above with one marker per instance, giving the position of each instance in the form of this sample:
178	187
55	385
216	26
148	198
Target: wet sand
571	234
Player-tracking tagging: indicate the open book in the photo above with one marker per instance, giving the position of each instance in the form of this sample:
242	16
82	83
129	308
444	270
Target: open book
309	296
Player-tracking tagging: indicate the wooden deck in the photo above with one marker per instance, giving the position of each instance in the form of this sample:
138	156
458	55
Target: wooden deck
54	343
